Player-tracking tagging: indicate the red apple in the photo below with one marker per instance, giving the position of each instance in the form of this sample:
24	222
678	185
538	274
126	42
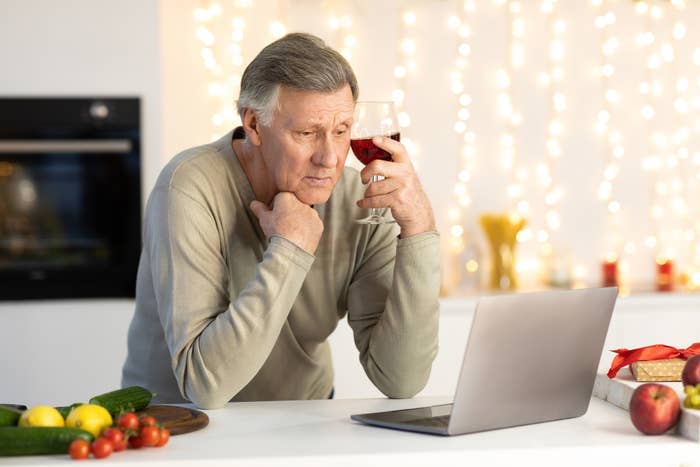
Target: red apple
654	408
691	371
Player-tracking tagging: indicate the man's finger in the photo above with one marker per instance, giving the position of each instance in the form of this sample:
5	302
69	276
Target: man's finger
258	208
393	147
381	187
376	167
380	201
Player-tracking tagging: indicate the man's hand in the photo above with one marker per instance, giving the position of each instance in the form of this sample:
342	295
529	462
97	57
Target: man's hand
400	190
291	219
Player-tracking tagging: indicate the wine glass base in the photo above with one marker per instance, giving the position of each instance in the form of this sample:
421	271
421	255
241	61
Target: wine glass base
375	219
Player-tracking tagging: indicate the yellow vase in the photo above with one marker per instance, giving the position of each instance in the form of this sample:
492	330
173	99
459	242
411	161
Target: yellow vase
501	231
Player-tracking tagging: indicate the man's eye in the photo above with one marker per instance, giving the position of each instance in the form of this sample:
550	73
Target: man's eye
341	132
306	133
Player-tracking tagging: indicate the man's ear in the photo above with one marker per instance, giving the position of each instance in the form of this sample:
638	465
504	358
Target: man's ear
251	126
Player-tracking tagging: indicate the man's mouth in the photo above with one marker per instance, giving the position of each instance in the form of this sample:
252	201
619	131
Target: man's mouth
319	181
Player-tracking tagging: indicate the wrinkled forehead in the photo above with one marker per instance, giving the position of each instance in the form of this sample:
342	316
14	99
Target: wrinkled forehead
310	108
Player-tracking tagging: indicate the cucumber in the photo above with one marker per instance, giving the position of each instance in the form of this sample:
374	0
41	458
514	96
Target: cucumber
129	399
65	410
9	416
36	440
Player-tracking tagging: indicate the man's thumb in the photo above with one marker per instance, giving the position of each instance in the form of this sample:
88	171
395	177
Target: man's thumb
258	208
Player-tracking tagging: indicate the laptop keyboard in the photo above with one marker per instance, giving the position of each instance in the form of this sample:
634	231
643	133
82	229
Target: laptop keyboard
442	421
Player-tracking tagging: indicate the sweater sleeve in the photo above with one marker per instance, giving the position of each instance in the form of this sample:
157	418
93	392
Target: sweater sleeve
217	343
393	310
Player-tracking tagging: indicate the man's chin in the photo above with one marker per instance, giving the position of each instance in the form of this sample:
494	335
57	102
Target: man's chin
313	198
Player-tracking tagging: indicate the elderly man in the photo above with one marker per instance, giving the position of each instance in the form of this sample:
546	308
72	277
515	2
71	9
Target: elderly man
251	255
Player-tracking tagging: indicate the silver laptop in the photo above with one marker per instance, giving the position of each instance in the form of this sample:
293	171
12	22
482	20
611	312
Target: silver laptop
530	358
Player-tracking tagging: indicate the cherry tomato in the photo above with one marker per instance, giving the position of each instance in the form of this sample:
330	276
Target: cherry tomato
164	437
148	420
102	447
120	445
128	421
79	449
150	435
135	442
114	435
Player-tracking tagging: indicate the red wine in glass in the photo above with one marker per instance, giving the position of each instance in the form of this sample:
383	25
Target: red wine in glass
366	151
373	118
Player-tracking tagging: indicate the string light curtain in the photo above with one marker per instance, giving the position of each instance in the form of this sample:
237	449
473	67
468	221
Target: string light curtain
612	143
460	213
407	48
677	160
278	25
512	118
340	21
557	99
664	112
221	31
659	52
558	260
693	276
665	100
650	163
221	35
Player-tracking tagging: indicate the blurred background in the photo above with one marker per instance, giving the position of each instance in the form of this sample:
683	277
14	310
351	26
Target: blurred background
579	118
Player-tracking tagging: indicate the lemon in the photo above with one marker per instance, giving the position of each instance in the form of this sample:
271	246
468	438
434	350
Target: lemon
41	415
89	417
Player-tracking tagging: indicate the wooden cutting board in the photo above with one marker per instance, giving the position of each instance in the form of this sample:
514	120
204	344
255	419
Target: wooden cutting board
178	420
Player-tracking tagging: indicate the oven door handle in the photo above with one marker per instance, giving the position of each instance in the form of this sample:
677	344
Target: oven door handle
65	146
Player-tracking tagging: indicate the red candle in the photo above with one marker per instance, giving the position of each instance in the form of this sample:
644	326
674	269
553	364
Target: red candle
664	275
609	272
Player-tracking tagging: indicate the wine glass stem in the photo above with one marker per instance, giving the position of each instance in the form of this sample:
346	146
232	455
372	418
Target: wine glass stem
375	211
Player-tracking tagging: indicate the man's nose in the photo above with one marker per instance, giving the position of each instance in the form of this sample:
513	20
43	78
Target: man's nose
327	152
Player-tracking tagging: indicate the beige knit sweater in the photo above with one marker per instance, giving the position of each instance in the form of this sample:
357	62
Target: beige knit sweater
224	314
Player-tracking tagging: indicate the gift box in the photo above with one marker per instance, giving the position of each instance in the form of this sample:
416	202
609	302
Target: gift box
654	362
669	369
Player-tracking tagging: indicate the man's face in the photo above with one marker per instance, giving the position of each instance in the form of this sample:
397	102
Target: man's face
305	145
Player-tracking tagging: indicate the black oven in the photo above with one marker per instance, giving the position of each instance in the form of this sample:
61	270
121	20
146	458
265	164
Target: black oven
70	197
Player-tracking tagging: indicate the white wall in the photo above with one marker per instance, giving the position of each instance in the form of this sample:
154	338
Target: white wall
56	352
87	48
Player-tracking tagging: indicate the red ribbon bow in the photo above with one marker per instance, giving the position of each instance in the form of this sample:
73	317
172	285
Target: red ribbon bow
625	357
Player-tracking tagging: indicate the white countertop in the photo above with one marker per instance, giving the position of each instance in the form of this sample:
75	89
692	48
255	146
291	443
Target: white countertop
320	433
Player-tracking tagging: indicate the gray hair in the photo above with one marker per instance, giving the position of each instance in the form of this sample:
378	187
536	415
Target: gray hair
298	60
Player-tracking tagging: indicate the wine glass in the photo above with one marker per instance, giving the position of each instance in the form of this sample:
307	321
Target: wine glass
373	118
